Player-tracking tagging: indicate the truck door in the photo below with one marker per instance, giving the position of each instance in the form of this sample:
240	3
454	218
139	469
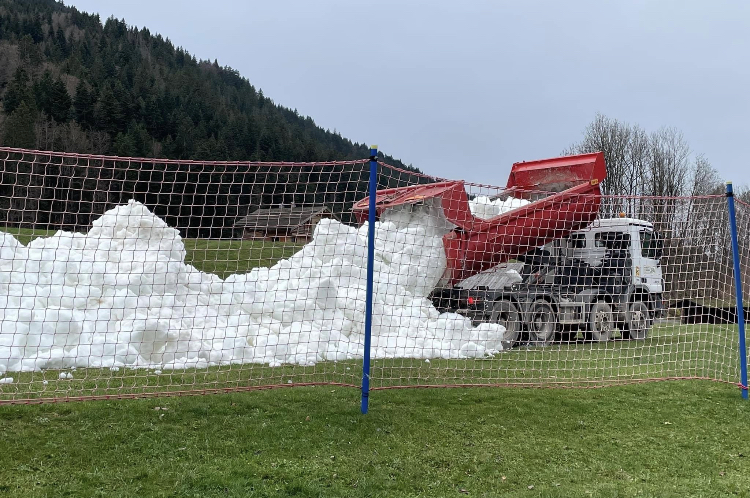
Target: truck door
647	254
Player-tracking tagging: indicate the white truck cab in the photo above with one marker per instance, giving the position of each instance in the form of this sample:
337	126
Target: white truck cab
643	243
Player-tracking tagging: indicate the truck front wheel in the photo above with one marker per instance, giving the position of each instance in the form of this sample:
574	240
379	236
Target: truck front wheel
601	322
505	313
638	321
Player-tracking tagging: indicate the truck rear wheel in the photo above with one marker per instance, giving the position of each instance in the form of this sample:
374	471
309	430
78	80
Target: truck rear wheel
601	322
542	322
505	313
638	321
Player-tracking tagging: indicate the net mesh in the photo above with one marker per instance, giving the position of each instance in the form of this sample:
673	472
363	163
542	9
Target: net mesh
124	277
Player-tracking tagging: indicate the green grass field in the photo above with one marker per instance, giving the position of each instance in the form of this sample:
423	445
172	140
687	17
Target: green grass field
26	235
660	439
227	257
678	438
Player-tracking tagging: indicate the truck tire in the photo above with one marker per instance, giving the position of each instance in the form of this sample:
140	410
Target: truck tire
637	321
601	322
542	322
505	313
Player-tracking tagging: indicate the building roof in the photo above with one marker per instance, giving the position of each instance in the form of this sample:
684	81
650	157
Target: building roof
281	217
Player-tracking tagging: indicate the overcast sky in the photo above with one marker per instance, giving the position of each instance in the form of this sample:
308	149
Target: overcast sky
464	88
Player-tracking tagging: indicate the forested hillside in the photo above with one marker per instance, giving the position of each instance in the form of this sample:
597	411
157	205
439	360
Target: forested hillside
70	83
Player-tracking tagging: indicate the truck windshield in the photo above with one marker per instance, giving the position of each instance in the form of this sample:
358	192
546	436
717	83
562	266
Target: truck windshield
651	245
612	240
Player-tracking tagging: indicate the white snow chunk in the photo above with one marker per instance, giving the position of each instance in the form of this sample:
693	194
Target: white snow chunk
483	207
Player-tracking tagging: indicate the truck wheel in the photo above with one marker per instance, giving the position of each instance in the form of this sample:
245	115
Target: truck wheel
638	321
601	322
542	322
505	313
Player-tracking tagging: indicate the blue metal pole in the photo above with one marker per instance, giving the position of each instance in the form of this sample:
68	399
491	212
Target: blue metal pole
738	290
370	270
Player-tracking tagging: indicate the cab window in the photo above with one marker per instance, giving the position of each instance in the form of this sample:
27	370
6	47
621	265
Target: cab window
651	245
577	241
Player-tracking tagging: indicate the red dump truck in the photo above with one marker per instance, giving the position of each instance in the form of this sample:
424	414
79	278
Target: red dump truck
558	295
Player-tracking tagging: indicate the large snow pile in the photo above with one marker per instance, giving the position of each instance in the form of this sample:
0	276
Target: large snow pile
122	295
484	208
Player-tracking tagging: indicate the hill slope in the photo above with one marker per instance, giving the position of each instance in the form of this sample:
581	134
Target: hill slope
70	83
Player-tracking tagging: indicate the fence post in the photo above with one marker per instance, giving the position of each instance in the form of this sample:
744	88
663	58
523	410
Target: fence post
738	290
370	270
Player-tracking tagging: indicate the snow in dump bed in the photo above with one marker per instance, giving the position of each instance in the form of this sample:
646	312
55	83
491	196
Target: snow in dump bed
484	208
122	295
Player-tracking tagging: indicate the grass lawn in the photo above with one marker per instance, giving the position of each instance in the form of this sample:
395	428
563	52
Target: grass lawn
227	257
658	439
26	235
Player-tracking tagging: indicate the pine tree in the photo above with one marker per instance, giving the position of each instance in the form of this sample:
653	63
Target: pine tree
125	105
84	105
18	92
43	93
124	146
33	27
108	115
62	43
60	102
19	128
29	52
140	139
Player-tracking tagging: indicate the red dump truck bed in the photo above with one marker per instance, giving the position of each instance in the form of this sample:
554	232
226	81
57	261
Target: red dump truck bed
570	198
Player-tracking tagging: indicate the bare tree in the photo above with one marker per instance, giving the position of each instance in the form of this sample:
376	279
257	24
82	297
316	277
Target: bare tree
705	178
615	139
639	163
9	61
100	142
638	159
46	133
669	170
74	139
